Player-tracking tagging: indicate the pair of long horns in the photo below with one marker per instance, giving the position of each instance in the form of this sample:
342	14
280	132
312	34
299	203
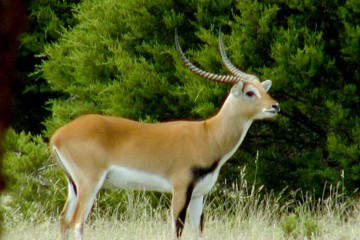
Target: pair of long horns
238	75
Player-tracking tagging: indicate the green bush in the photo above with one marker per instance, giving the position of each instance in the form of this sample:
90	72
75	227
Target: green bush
34	185
299	227
118	58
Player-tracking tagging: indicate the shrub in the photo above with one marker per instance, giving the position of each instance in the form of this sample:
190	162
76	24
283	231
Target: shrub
34	185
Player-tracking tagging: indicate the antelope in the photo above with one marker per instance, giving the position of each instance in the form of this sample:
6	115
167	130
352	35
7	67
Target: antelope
180	157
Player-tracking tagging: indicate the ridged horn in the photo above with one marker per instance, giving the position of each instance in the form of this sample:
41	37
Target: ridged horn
237	72
207	75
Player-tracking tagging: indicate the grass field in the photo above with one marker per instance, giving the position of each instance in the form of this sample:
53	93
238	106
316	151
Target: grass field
255	227
238	212
254	220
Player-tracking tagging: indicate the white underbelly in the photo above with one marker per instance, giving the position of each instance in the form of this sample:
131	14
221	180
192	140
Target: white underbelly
120	177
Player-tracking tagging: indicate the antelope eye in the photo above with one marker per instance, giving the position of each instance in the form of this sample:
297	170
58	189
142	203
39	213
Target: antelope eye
250	94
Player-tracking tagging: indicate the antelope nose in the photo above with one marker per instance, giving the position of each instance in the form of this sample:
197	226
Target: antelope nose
276	106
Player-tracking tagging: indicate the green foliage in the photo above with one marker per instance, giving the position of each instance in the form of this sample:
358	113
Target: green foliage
296	228
34	186
290	226
103	64
310	66
118	58
46	19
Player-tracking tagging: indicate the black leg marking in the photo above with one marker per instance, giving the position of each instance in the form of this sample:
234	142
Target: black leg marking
198	173
66	172
73	185
201	172
180	222
202	223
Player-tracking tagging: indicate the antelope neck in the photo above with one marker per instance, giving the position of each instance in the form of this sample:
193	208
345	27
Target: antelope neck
227	132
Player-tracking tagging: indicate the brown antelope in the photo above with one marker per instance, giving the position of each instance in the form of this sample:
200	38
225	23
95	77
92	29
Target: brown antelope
180	157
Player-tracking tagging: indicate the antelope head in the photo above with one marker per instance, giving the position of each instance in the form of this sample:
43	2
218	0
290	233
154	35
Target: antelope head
247	91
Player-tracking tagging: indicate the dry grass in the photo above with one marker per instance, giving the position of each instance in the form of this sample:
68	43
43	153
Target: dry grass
240	212
248	219
217	228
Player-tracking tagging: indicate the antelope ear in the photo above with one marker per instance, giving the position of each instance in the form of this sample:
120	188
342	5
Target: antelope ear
236	90
266	85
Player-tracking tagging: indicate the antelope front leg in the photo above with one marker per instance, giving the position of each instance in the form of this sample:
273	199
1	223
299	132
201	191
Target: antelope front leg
180	202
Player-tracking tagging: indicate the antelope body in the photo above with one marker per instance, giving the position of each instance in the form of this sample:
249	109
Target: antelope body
180	157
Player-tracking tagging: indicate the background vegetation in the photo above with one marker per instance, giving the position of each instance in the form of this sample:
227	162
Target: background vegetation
118	58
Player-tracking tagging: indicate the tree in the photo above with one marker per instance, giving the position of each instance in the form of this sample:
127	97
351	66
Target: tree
120	60
46	19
